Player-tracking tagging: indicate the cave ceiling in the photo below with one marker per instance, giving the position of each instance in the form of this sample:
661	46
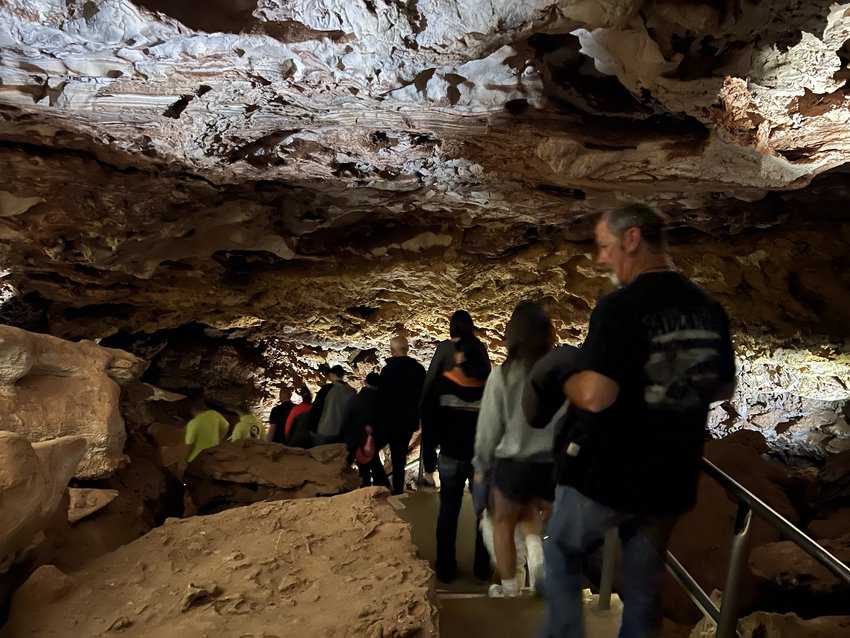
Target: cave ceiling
334	171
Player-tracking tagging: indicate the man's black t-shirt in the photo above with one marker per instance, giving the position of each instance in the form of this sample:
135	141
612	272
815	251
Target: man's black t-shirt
666	343
278	417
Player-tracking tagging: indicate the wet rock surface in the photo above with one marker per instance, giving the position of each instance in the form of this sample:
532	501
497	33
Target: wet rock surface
258	570
242	472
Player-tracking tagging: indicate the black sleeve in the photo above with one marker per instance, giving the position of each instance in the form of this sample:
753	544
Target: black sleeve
543	394
435	369
429	433
727	353
318	405
607	343
488	366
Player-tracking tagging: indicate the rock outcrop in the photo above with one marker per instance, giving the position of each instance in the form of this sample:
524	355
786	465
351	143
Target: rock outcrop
343	565
147	494
52	388
33	479
766	625
86	501
798	580
702	538
247	471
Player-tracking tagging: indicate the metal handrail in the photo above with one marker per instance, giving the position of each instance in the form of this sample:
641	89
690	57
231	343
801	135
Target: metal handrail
726	616
778	521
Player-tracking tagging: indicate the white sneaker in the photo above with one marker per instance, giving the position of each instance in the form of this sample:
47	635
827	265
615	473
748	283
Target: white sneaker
498	591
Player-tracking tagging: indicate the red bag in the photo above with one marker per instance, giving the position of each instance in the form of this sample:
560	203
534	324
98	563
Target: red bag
366	452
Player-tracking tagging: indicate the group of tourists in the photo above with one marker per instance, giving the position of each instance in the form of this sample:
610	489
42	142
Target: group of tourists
558	441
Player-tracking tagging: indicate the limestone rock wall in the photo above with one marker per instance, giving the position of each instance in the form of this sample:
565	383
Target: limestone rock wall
51	388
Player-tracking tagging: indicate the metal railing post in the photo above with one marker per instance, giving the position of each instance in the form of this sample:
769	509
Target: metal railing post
609	568
727	626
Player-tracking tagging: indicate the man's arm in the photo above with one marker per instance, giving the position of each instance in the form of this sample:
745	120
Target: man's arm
591	391
600	360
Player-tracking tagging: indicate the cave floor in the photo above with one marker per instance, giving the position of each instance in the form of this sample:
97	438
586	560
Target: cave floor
464	607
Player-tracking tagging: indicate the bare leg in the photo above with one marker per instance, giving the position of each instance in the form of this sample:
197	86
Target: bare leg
505	518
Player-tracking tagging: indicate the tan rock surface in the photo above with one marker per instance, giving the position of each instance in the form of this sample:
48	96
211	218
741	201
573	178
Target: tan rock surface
85	501
33	479
766	625
341	566
248	471
53	388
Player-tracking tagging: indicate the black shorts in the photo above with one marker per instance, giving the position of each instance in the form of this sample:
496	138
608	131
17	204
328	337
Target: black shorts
524	481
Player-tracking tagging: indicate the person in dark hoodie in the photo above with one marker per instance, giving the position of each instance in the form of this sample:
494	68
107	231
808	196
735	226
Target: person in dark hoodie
399	395
449	416
359	422
461	326
328	410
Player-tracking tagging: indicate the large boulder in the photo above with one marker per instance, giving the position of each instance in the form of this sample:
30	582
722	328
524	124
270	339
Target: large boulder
341	566
766	625
247	471
702	538
33	479
51	388
797	581
833	525
142	494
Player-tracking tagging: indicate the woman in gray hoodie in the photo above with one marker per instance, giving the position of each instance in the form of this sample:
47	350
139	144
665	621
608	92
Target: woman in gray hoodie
513	457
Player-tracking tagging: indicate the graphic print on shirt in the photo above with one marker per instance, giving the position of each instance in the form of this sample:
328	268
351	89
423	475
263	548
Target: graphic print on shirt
683	368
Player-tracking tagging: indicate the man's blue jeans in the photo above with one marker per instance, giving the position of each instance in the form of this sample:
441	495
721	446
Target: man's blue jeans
578	526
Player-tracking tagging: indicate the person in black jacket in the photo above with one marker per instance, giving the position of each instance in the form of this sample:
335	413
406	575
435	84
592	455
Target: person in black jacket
399	393
278	416
449	416
360	414
461	326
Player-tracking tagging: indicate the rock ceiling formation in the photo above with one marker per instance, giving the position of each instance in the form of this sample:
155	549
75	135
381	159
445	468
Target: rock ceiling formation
328	172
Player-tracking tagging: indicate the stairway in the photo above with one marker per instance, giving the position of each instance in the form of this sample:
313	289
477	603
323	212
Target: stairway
465	610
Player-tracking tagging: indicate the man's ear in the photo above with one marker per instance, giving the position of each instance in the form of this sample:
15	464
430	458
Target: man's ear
631	239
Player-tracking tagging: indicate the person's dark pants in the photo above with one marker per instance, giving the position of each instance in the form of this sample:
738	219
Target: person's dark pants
454	476
577	526
398	454
372	473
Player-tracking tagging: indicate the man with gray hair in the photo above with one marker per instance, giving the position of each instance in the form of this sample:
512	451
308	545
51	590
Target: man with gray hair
399	391
657	353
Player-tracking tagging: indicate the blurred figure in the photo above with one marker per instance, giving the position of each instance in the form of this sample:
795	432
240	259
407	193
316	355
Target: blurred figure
329	409
516	459
247	427
461	326
399	394
359	428
206	429
297	429
449	416
279	415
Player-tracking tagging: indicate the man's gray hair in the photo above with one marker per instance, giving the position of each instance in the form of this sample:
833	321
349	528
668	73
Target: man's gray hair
651	223
399	345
